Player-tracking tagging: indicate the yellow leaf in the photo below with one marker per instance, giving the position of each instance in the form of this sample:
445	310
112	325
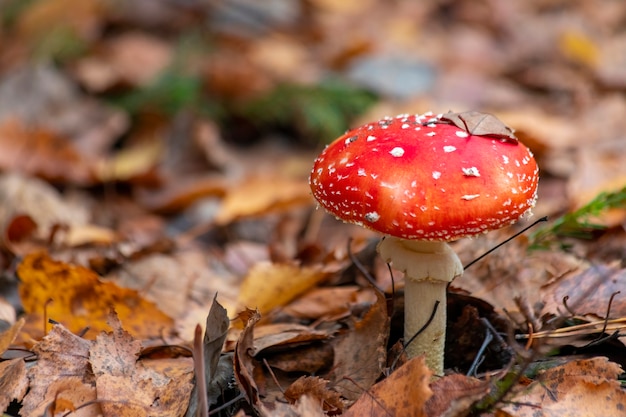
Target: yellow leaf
579	48
270	285
77	298
261	195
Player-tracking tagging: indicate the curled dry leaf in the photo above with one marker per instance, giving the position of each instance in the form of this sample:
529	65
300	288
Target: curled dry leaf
8	337
243	362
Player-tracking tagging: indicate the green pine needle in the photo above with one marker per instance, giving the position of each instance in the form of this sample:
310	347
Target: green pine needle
578	224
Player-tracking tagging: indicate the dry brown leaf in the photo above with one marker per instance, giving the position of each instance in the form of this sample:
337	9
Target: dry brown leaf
361	353
132	58
37	199
587	387
40	152
243	363
324	302
270	285
128	387
403	393
589	292
62	367
13	382
454	394
81	300
315	388
183	192
44	18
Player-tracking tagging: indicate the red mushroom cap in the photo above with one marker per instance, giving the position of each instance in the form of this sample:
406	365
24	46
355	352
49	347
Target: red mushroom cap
425	178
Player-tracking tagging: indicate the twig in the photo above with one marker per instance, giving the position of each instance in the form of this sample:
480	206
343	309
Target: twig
504	242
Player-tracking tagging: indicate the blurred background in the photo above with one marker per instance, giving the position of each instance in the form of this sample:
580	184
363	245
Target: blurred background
195	118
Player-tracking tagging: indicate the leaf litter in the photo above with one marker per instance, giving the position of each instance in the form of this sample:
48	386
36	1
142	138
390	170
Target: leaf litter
159	171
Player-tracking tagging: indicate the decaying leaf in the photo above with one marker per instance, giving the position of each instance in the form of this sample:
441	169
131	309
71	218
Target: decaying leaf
39	152
218	368
80	300
317	389
62	367
403	393
243	362
355	370
454	394
587	387
13	382
480	124
127	386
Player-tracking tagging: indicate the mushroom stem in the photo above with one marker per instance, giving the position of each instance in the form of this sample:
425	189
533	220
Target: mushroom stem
428	268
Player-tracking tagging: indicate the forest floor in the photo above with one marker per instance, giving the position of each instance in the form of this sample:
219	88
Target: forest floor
161	253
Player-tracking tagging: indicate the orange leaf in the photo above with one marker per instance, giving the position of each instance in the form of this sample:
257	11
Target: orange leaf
80	300
403	393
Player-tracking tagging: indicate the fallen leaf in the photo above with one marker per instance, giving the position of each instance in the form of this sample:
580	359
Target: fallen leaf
315	388
243	363
129	387
13	382
80	300
269	285
454	394
403	393
323	302
8	337
262	195
356	369
130	58
480	124
39	152
587	387
588	292
62	366
46	207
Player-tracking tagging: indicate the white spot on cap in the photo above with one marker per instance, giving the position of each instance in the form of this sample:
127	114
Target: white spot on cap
371	138
470	196
372	216
431	134
471	172
397	151
505	159
461	133
436	175
449	148
405	126
361	172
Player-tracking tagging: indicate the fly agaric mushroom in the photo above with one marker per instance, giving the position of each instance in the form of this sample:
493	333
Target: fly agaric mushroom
425	180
